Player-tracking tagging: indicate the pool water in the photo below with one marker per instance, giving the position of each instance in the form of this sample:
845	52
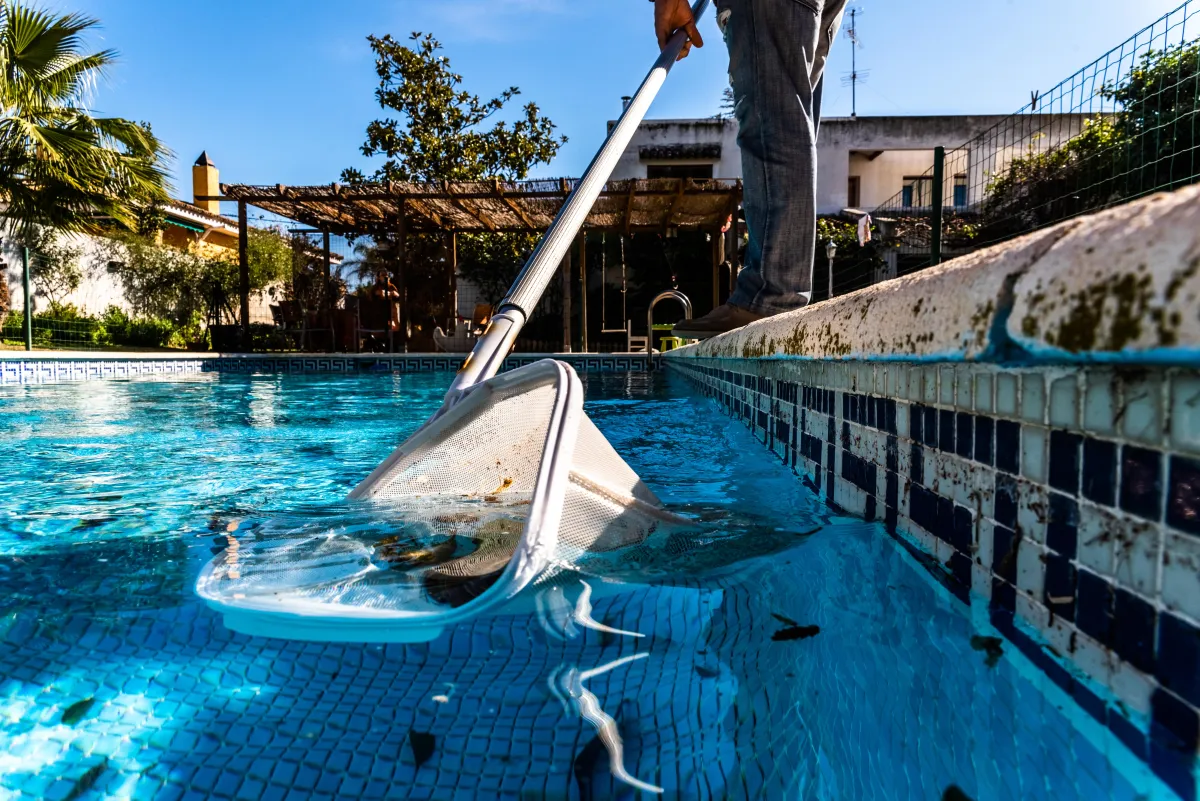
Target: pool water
827	666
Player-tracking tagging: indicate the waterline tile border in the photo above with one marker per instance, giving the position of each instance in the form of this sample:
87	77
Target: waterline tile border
63	367
1064	500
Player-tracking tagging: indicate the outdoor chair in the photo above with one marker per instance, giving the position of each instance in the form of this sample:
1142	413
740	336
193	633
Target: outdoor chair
372	318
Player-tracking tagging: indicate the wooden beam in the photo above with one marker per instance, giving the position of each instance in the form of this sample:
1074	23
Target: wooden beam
468	207
513	206
674	204
566	301
583	298
244	272
629	205
452	322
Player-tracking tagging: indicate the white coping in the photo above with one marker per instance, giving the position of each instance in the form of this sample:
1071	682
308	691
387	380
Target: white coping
1122	285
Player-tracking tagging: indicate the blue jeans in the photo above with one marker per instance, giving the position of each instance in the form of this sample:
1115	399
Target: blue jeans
777	53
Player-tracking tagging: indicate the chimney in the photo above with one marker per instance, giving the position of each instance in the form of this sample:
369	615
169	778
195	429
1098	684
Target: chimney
625	100
206	181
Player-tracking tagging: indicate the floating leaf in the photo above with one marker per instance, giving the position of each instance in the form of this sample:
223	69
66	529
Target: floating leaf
796	633
422	744
76	711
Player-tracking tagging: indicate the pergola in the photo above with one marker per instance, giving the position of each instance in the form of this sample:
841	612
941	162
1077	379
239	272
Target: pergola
399	209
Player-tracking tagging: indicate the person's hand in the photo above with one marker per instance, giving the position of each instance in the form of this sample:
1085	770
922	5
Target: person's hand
672	15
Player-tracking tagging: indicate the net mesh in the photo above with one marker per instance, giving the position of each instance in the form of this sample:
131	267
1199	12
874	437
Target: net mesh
461	498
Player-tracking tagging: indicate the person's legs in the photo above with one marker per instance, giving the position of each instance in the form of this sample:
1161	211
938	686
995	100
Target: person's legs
772	52
777	53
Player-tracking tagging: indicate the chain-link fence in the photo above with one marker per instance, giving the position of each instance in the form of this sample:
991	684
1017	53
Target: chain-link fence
1122	127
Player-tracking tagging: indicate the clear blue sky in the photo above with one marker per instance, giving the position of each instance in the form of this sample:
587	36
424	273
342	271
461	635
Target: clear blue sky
280	92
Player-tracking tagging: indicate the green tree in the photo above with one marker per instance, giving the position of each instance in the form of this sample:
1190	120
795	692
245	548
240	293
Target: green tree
61	167
442	132
53	265
1146	145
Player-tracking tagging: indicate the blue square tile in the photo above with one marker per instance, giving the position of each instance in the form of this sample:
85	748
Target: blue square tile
1059	589
1062	525
946	431
1093	606
1141	482
984	428
1100	471
1133	630
1183	498
1004	510
1177	666
1008	446
1064	461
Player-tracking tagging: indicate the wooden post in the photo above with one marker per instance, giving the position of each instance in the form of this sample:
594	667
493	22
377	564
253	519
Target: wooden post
401	262
566	302
452	312
718	258
731	253
244	273
583	327
326	295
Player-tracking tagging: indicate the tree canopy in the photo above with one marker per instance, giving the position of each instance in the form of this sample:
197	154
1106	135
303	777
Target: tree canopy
442	131
61	167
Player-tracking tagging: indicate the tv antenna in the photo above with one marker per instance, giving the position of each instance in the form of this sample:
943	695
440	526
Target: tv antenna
852	80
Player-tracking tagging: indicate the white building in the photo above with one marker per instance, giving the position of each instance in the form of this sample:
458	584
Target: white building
862	162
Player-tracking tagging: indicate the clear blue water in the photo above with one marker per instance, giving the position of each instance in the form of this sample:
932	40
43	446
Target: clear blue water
116	682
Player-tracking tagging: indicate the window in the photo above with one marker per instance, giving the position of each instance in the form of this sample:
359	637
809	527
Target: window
679	171
917	191
960	191
853	191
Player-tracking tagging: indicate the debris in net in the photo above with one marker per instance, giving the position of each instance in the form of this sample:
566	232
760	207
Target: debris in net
422	744
77	711
991	646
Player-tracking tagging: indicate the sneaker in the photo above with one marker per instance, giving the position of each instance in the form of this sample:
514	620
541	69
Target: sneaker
718	321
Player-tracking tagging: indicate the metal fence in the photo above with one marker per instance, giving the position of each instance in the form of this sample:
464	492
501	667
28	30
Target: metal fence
1120	128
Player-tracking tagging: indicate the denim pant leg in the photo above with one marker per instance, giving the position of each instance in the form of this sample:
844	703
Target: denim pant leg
776	56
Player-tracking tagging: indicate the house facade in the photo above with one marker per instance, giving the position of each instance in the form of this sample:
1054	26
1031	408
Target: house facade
862	162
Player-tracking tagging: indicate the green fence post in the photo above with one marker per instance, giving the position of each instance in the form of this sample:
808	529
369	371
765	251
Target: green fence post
935	219
28	298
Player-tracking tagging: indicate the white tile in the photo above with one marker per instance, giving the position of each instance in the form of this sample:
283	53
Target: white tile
1034	458
986	542
1181	574
1143	420
1185	412
1031	568
902	420
983	392
929	391
1137	551
1033	397
1006	394
1095	539
916	383
1100	402
946	386
1092	658
1064	402
1033	504
981	581
1131	686
963	386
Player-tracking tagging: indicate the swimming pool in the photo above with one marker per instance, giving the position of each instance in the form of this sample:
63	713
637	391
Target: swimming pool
833	668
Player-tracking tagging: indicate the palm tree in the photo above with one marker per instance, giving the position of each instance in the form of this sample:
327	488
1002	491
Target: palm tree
60	167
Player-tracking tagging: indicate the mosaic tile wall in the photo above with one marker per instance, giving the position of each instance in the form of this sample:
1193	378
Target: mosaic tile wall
1063	502
45	371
